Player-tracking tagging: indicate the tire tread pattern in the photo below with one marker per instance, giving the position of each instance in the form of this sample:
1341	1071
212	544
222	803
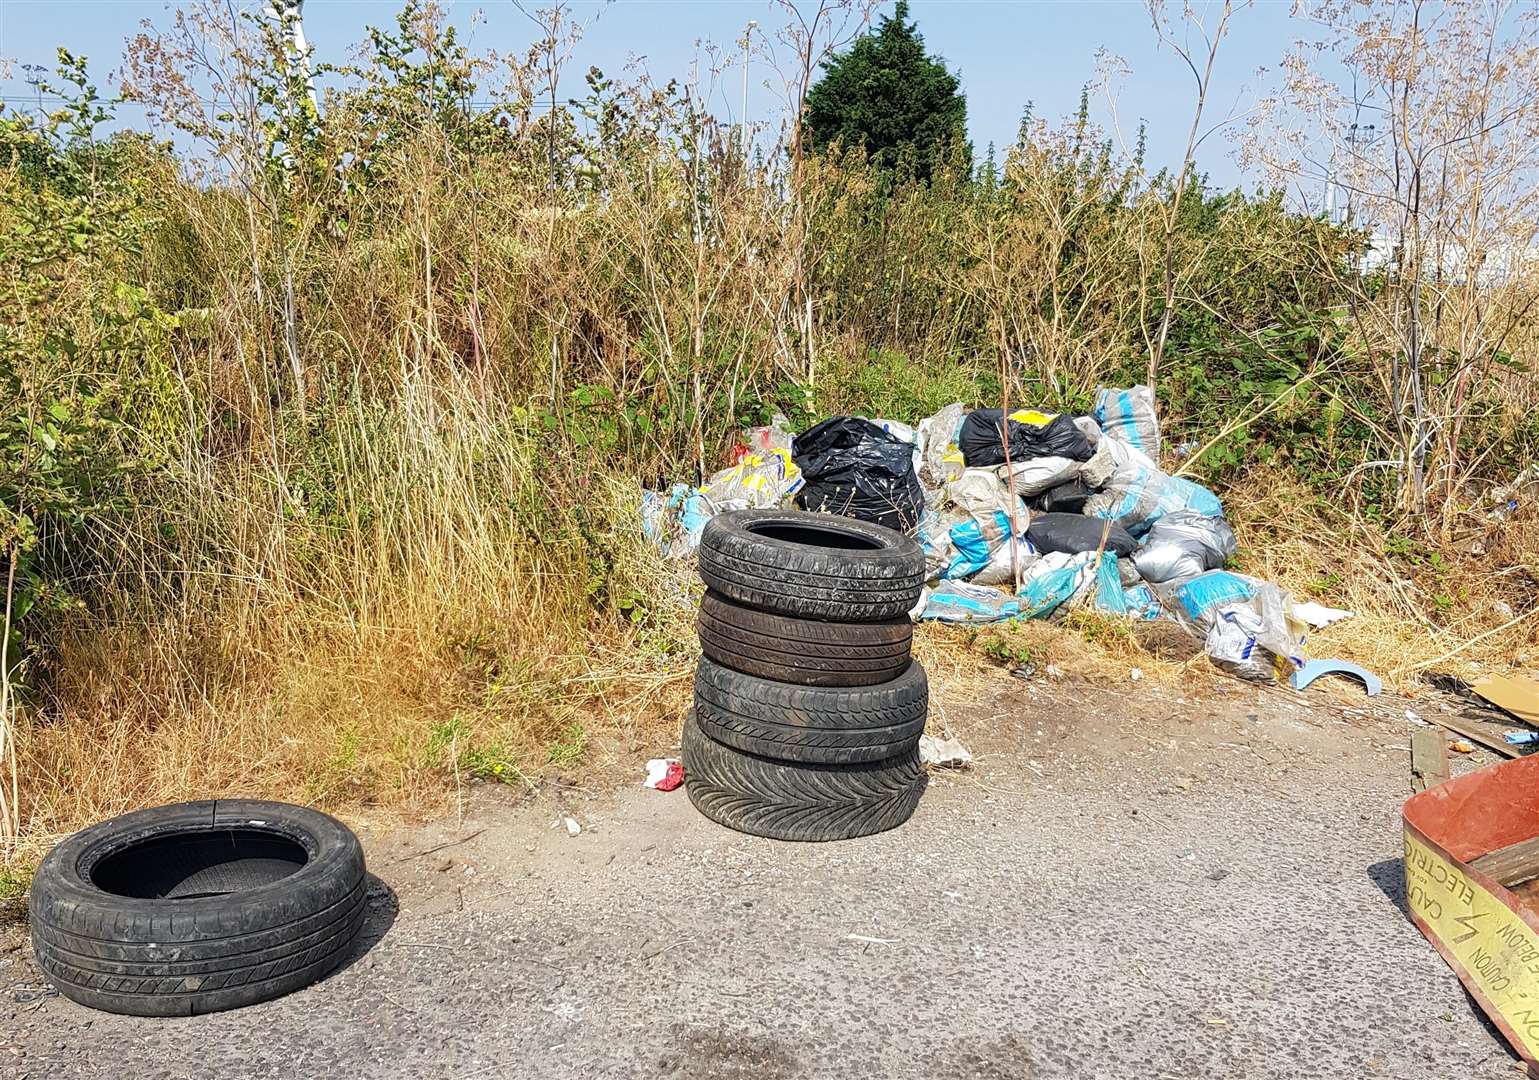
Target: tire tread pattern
809	581
786	801
807	652
816	724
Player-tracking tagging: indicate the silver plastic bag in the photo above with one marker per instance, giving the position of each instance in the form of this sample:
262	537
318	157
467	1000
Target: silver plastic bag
1183	544
1036	475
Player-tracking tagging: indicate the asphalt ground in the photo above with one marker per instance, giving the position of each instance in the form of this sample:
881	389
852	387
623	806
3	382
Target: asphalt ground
1123	885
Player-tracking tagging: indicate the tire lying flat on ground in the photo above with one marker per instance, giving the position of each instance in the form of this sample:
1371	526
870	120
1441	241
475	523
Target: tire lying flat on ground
803	651
811	566
197	907
817	724
790	801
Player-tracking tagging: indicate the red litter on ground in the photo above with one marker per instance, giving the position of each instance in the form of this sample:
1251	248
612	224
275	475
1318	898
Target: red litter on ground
664	774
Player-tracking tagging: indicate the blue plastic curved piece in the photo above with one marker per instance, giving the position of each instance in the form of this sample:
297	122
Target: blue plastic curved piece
1313	669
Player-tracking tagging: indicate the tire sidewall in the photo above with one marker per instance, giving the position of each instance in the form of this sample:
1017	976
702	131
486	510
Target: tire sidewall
334	865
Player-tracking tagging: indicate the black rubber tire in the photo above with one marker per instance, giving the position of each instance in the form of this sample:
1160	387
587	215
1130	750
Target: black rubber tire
250	929
811	566
831	725
788	801
806	652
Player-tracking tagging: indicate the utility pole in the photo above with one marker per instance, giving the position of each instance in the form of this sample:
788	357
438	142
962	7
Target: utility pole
289	14
1358	135
747	35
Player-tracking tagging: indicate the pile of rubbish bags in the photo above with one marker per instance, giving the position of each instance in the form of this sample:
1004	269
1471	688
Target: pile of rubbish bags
1024	516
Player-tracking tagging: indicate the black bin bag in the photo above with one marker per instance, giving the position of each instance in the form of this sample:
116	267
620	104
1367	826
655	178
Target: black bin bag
982	445
1076	532
853	467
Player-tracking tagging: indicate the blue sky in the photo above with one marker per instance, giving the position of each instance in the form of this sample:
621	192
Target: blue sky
1008	52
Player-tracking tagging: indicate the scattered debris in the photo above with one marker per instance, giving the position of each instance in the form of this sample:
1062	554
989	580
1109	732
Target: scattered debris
1514	694
1313	669
1080	514
1522	738
1504	500
1319	616
1486	735
944	753
1136	673
664	774
1459	746
572	828
871	940
1429	758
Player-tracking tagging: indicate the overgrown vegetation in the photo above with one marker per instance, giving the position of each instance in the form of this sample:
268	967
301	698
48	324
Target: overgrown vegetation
323	426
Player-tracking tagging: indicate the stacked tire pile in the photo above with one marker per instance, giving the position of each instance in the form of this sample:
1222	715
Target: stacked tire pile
808	707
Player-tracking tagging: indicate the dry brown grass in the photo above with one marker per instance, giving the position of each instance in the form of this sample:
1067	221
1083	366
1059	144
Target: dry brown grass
389	537
1421	604
492	615
375	722
376	719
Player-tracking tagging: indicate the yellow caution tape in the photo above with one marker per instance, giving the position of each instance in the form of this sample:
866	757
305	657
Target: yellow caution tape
1492	948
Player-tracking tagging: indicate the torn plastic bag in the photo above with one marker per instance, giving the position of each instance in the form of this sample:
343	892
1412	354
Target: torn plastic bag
958	545
980	492
1054	579
1258	639
974	540
960	601
1138	500
1130	417
1032	434
1090	428
940	458
1076	532
1001	570
972	522
1199	600
674	520
1141	603
1112	461
975	508
934	536
756	482
776	435
853	467
1036	475
1184	544
1108	586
